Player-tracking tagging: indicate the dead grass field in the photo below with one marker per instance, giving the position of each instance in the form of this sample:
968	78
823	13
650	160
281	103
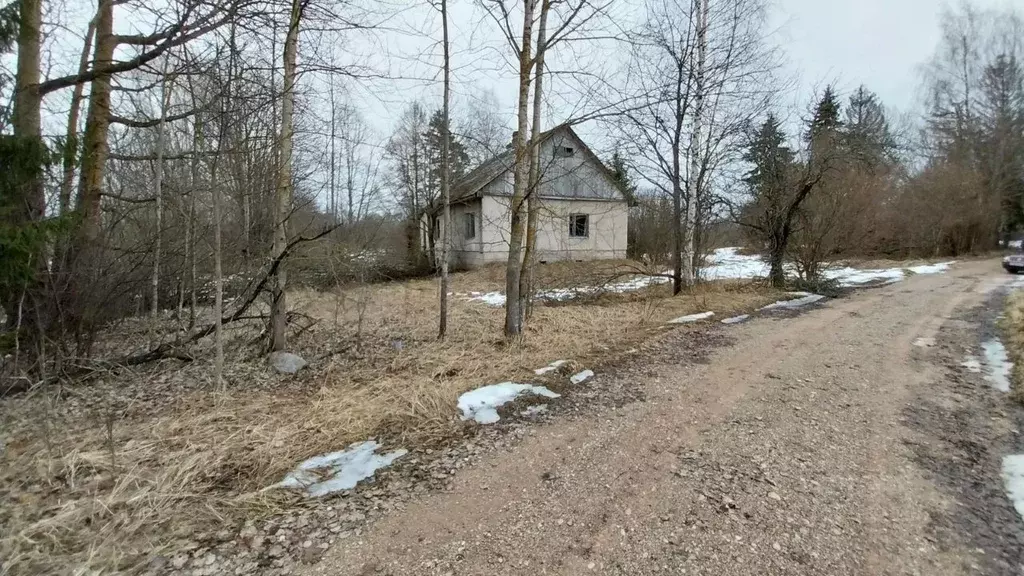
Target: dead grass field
1013	334
102	474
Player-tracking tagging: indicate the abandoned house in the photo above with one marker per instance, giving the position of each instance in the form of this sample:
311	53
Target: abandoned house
583	212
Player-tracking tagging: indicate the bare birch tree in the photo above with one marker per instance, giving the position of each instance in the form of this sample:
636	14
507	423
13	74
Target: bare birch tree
689	225
664	94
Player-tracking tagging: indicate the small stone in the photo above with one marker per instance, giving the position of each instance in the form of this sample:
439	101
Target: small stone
286	362
276	551
311	555
774	496
179	561
776	546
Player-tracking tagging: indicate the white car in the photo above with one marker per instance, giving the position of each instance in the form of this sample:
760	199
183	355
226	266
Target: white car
1014	263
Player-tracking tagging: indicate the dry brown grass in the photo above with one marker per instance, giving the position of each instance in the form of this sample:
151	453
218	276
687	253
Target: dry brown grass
1013	333
100	476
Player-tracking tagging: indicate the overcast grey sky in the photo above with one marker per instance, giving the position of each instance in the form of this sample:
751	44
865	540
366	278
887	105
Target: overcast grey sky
879	43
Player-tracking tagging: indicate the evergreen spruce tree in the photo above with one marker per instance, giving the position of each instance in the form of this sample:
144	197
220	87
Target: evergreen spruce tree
458	158
824	125
867	130
620	172
770	160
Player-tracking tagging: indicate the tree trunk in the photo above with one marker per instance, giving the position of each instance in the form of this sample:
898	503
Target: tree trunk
693	181
283	205
333	201
225	132
71	138
776	254
190	227
350	184
218	284
677	225
165	96
533	186
29	204
514	265
446	223
97	125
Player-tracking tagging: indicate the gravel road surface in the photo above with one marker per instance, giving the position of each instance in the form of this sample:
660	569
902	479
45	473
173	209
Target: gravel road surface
846	439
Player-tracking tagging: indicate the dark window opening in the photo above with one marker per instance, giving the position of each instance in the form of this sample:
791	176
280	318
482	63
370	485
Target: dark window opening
579	225
470	224
564	151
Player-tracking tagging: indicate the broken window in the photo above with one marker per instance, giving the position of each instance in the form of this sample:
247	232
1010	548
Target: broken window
564	151
579	225
469	220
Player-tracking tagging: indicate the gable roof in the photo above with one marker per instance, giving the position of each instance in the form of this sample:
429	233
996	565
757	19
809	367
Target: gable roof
472	184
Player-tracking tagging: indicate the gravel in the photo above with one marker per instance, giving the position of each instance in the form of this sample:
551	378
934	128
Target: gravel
779	446
801	444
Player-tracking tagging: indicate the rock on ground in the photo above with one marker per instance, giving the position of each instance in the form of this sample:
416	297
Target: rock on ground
286	362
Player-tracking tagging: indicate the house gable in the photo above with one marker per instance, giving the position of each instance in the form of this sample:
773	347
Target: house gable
569	170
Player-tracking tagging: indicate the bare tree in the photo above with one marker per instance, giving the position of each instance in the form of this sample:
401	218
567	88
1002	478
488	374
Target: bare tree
690	223
533	187
446	175
483	127
70	156
166	87
659	110
283	205
520	175
407	151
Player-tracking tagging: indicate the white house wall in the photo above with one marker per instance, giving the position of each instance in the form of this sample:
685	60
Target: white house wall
608	221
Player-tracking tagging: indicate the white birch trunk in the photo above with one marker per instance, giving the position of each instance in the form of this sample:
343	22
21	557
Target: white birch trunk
692	184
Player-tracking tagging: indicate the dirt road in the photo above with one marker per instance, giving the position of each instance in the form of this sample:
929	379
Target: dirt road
815	444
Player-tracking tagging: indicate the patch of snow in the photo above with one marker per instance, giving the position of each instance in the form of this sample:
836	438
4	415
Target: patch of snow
726	264
924	342
1014	243
997	365
794	303
723	264
549	368
563	294
482	404
736	319
1013	480
489	298
691	318
534	410
848	277
582	377
936	268
336	471
972	364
